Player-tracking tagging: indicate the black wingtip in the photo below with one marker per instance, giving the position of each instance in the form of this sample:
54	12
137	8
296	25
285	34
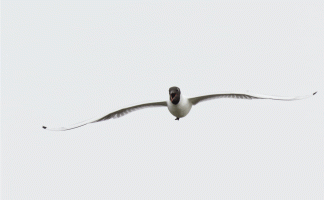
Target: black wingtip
44	127
314	93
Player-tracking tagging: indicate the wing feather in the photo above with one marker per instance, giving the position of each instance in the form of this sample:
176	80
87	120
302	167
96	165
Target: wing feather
195	100
115	114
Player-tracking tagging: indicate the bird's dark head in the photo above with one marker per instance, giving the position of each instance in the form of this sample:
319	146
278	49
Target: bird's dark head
174	93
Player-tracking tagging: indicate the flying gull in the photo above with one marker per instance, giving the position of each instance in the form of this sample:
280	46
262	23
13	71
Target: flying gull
178	105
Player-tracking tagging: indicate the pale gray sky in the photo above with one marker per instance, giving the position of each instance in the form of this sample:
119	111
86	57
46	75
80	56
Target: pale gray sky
66	61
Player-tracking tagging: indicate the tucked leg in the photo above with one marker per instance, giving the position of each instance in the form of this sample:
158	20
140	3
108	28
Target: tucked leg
177	118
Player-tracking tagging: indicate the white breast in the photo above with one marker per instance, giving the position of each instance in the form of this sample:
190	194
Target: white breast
181	109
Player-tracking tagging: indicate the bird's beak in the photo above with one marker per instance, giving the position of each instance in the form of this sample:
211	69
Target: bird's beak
172	95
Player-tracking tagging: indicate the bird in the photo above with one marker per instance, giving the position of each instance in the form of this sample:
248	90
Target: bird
177	104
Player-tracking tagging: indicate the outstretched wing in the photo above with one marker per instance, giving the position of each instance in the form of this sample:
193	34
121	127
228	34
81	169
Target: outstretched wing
198	99
116	114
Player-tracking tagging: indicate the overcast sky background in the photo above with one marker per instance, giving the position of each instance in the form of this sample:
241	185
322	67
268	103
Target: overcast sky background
66	61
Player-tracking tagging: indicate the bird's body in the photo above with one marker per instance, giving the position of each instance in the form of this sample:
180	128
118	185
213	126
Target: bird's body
181	109
177	104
